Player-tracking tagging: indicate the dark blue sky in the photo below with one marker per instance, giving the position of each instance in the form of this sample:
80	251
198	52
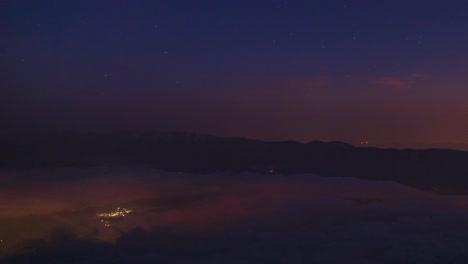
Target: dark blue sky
391	72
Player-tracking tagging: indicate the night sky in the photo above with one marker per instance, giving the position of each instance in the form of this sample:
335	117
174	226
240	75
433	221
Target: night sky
394	73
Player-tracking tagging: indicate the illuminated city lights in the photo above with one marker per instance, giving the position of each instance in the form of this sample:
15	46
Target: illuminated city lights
107	217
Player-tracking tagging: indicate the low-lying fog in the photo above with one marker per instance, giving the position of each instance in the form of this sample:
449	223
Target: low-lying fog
224	218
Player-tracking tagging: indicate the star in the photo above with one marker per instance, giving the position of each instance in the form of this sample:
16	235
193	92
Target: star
322	43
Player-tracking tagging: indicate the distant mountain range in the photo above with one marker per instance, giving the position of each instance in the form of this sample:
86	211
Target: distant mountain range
458	146
437	170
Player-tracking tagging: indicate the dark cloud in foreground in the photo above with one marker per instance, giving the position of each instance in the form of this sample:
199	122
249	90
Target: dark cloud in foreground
312	220
443	241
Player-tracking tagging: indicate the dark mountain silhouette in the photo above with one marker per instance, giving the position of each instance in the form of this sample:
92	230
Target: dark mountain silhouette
438	170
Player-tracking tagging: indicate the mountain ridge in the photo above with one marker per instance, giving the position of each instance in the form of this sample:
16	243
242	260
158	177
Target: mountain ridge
437	170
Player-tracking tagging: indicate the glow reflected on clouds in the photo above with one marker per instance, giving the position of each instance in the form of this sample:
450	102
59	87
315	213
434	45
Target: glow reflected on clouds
321	209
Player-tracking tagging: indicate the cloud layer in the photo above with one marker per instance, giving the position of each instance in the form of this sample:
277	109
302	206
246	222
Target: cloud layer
240	218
